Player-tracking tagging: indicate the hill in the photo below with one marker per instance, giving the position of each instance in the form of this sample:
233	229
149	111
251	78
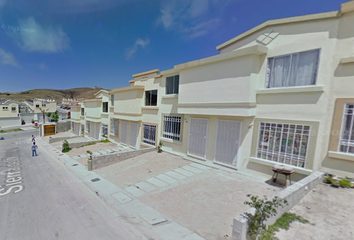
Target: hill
58	95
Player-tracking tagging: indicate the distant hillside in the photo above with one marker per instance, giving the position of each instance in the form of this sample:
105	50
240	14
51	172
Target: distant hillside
58	95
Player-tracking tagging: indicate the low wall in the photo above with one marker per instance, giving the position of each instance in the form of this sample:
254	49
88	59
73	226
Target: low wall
80	144
106	160
293	194
63	126
58	139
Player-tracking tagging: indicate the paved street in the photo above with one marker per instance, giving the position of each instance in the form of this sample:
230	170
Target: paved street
40	199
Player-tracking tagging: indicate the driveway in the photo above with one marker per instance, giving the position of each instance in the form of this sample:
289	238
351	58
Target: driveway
200	198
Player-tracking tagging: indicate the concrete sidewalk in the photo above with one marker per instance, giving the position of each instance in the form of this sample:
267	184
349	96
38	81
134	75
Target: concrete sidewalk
125	204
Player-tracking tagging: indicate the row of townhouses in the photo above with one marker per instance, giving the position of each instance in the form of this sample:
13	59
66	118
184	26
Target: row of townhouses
13	113
282	92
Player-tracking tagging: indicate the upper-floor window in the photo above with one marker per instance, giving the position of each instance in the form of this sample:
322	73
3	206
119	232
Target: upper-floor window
82	111
346	142
297	69
13	109
151	98
44	105
105	107
172	84
37	106
112	100
5	108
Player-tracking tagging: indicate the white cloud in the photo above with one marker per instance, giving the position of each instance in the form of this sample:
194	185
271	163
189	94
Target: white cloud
138	43
8	58
191	18
41	39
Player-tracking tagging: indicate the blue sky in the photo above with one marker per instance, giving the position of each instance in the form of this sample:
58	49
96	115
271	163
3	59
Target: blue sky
86	43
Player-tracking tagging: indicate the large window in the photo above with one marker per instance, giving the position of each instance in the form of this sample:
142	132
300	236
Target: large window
172	127
114	127
151	98
283	143
105	107
104	130
149	136
112	100
172	84
297	69
13	109
346	142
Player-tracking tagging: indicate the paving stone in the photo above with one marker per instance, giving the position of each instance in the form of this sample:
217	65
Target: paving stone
157	182
192	169
103	151
116	149
184	172
166	178
121	197
82	155
76	157
152	216
200	166
96	154
133	190
175	175
145	186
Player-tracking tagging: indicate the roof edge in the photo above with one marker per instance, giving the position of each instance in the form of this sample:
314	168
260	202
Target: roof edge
304	18
146	73
138	87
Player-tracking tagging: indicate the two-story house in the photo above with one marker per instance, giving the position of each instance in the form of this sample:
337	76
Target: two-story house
9	113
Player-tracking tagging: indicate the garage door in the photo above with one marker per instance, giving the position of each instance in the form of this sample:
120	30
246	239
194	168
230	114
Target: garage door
124	132
198	137
227	142
133	134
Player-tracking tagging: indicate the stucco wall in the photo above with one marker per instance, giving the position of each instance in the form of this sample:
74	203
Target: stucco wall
63	126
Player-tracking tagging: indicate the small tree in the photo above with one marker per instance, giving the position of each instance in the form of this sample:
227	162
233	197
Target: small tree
66	146
43	111
159	147
264	209
55	116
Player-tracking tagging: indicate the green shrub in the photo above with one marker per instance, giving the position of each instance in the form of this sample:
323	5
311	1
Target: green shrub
159	147
335	183
345	183
66	147
66	150
105	141
264	209
328	180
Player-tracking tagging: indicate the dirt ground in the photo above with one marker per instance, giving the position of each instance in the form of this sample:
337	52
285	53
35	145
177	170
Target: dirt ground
205	202
330	212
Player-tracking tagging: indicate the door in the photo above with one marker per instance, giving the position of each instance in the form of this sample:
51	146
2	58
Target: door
198	133
227	142
133	134
49	130
124	132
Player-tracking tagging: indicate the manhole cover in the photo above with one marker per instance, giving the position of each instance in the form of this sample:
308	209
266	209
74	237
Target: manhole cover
95	180
74	164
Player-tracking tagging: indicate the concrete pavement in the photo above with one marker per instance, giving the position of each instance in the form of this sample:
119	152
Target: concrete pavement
40	199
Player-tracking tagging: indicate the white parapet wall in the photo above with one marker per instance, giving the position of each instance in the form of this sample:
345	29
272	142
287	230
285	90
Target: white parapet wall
293	194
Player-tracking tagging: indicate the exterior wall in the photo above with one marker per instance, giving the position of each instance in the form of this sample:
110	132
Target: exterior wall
8	113
75	113
9	121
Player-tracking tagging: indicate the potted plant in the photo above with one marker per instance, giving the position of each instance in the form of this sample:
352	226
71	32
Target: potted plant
23	122
32	121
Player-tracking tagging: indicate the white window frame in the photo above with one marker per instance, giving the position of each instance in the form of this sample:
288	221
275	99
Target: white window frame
150	100
348	143
170	127
105	110
175	89
269	69
13	109
279	156
151	138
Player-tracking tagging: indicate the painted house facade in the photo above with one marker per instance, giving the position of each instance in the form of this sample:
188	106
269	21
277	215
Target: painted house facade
280	93
9	113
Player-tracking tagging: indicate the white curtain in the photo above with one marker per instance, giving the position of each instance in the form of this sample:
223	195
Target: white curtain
306	68
279	71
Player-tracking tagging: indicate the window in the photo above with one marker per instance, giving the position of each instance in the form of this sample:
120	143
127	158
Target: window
283	143
151	98
37	106
13	109
149	136
114	127
105	107
112	100
44	105
72	126
297	69
82	111
346	141
82	129
87	126
104	130
172	84
5	108
172	127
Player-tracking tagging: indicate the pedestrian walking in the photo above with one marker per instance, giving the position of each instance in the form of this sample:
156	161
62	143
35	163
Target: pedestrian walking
34	149
33	139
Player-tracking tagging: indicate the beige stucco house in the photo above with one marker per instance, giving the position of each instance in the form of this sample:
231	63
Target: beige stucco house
9	113
280	93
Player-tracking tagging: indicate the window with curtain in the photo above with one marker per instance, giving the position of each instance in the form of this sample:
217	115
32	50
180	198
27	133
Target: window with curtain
346	142
151	98
297	69
172	84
